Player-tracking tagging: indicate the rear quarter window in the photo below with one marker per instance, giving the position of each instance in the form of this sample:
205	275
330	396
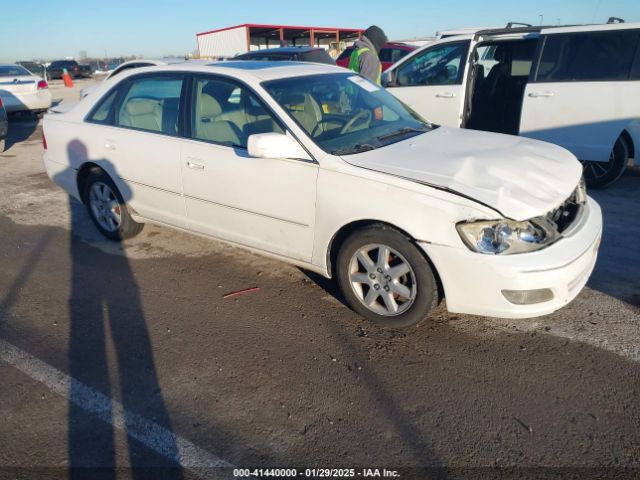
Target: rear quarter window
103	112
588	56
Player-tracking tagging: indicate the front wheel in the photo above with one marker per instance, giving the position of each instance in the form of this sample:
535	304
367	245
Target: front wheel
385	278
107	208
601	174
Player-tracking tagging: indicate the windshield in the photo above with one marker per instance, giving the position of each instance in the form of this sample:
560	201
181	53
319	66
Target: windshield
344	113
13	71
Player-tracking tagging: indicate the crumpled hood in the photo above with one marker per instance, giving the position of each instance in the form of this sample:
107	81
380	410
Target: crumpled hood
519	177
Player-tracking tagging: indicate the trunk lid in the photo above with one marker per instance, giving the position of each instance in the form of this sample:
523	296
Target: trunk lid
18	84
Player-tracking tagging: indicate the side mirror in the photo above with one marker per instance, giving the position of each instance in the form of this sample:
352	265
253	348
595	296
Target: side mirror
275	145
389	79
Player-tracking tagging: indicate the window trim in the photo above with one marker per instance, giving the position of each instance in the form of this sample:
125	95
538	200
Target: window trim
123	87
634	62
188	106
463	63
110	118
188	120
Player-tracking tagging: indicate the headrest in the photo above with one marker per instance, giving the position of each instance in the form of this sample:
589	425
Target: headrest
141	106
499	53
209	106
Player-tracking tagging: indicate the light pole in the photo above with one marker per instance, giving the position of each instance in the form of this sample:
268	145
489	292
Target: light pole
541	19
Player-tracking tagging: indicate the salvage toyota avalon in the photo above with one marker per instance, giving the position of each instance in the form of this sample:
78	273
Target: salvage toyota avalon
321	168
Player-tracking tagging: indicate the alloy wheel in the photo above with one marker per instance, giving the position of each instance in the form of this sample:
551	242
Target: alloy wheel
382	279
105	206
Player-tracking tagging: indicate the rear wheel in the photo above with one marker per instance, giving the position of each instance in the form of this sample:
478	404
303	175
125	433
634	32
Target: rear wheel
601	174
385	278
107	208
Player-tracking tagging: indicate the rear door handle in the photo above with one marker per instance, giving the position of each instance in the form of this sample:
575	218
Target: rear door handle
541	94
445	95
109	144
194	164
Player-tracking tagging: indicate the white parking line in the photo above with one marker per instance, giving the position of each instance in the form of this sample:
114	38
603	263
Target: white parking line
154	436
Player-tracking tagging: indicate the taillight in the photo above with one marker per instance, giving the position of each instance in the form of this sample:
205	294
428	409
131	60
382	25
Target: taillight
42	85
44	141
0	103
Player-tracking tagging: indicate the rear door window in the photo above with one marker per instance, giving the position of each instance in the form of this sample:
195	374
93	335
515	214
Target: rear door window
151	103
588	56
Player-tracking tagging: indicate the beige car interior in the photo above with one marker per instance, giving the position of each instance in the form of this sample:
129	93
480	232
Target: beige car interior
141	113
150	114
229	115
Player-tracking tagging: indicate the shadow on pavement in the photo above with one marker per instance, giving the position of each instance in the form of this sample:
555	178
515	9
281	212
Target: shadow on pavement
21	127
107	321
616	272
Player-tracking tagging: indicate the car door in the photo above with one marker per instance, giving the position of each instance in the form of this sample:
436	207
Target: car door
263	203
431	82
138	144
581	95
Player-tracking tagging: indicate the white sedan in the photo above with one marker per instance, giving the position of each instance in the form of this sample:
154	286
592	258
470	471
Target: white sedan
131	64
20	90
321	168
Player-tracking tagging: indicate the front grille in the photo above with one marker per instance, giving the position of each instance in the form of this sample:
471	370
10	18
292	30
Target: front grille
567	213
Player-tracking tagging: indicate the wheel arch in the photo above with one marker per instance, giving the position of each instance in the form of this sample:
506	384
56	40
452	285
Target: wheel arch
83	174
628	138
343	233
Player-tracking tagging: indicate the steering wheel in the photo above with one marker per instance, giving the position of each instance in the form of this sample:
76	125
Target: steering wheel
363	116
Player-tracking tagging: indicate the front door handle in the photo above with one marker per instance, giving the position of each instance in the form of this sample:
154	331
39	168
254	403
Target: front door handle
109	144
445	95
195	164
541	94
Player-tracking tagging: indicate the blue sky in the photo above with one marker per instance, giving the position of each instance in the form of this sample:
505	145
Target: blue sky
49	29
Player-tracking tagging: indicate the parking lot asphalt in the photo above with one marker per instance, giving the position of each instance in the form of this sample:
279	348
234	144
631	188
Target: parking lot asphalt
128	355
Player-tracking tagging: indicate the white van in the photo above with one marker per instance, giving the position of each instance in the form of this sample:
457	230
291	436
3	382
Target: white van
577	87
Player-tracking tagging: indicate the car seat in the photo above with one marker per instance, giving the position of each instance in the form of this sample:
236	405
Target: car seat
305	110
143	113
208	125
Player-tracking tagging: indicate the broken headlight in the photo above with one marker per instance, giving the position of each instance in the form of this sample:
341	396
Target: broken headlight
506	237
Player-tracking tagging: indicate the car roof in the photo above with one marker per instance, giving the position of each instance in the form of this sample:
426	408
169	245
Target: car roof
552	29
250	70
155	61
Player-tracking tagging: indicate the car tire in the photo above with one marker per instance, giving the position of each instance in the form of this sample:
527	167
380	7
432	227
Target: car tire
601	174
385	277
107	209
